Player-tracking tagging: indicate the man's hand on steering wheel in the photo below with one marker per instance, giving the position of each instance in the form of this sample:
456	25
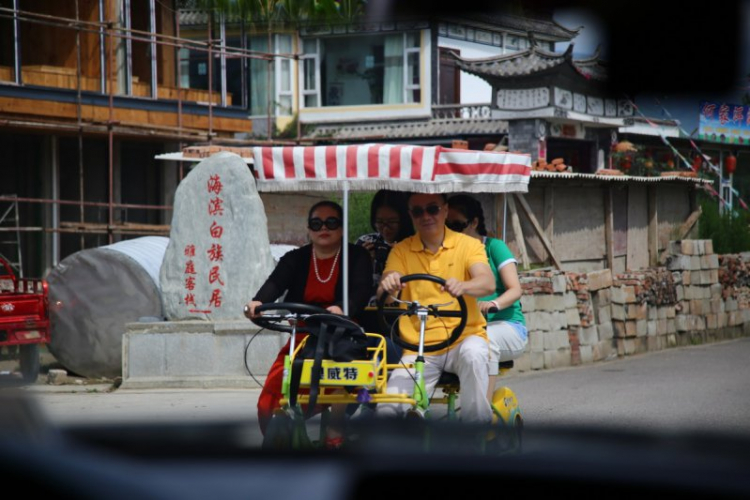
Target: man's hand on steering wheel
391	283
462	313
335	310
454	287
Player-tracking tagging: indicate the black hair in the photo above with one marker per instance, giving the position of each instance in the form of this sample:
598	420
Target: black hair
443	195
327	203
469	208
395	200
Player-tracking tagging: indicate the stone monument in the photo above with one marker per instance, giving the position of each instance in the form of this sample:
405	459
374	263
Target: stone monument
217	258
219	254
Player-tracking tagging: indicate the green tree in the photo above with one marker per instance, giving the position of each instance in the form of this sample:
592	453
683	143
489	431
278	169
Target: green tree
729	231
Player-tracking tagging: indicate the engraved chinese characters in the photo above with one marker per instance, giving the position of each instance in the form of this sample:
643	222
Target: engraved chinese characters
218	253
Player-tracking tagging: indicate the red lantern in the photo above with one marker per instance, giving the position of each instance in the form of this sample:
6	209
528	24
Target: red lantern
697	162
730	164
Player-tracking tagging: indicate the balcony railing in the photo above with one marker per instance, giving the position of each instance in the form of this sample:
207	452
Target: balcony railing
461	112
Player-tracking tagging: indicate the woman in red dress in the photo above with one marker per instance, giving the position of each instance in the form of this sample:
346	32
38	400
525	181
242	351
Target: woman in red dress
312	274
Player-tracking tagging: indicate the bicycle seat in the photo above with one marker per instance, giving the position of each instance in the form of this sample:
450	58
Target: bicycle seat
447	378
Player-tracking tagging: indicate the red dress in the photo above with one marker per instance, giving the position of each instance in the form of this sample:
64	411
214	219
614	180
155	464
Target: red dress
316	292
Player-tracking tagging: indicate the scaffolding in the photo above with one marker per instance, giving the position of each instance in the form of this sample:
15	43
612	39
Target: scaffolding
115	33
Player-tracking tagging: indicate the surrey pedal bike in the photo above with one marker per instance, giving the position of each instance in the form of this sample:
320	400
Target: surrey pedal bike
324	374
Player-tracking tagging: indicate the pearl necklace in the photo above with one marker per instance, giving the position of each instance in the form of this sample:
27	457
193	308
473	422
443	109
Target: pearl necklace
333	267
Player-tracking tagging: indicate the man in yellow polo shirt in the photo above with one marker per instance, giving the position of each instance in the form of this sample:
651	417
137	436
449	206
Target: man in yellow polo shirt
462	262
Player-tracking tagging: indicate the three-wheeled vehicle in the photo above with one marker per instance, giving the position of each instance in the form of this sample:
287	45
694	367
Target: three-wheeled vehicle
363	381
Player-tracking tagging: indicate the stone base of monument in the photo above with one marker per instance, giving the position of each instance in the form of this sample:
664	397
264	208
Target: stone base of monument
197	354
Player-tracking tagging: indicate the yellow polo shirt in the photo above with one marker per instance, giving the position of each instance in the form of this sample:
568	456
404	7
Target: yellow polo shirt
452	260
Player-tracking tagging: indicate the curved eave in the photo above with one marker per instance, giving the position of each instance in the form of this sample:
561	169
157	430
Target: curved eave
618	178
520	64
549	30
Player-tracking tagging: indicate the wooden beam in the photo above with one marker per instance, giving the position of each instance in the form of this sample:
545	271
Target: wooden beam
683	232
549	213
500	216
518	232
535	224
608	229
653	228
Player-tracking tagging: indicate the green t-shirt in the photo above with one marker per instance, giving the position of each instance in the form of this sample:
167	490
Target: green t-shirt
499	255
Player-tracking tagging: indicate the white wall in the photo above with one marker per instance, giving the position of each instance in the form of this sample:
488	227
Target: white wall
473	89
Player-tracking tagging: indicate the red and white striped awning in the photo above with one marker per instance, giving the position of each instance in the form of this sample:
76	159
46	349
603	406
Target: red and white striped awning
369	167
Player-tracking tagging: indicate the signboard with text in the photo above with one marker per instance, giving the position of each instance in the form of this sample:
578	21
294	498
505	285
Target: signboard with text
725	123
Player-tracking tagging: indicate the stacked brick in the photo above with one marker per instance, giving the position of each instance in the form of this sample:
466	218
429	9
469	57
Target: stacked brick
206	151
643	310
734	276
545	303
700	305
596	332
576	318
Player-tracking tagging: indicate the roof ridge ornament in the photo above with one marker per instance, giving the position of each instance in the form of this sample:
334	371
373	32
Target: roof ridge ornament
569	52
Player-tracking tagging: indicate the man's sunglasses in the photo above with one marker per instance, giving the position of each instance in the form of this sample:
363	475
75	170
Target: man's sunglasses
430	209
457	225
316	224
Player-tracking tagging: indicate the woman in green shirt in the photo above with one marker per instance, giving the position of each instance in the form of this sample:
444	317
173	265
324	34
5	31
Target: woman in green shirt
506	327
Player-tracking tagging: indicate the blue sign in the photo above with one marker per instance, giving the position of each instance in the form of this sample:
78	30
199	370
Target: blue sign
722	122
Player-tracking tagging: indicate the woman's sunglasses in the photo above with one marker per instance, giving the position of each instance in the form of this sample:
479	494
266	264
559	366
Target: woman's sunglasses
430	209
457	225
316	224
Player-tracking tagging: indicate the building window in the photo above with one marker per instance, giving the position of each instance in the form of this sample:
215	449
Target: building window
362	70
284	76
311	75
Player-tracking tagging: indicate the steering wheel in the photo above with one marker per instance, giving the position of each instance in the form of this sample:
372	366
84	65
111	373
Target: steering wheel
277	322
412	309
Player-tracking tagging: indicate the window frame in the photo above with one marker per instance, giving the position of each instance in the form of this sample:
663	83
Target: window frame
408	86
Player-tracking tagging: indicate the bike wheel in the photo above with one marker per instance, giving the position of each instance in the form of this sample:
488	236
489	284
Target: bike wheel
278	434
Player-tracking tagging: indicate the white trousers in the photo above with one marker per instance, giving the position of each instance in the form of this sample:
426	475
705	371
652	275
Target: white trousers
505	344
468	360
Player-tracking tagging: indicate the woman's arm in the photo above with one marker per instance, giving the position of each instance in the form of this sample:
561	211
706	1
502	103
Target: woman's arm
509	277
500	255
280	279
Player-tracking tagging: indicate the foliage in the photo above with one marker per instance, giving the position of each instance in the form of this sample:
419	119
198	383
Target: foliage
288	132
729	231
359	213
281	13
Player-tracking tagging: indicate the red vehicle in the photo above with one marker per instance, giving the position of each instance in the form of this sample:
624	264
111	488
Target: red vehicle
24	320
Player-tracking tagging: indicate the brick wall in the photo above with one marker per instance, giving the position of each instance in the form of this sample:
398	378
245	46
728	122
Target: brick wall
578	318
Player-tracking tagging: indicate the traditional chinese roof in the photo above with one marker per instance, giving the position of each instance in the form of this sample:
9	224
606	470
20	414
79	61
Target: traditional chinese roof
395	130
532	62
547	28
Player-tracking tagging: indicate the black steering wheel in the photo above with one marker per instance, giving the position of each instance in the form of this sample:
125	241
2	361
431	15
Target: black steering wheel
411	309
277	322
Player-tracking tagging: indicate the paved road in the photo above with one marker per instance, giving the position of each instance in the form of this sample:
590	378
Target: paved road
699	387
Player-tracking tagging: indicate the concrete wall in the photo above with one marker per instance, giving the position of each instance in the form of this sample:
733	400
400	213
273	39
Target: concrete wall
287	215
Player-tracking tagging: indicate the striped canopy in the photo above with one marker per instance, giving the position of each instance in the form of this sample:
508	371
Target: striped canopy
369	167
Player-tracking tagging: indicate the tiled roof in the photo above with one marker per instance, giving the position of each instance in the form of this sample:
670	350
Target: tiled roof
619	178
531	61
409	129
523	24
